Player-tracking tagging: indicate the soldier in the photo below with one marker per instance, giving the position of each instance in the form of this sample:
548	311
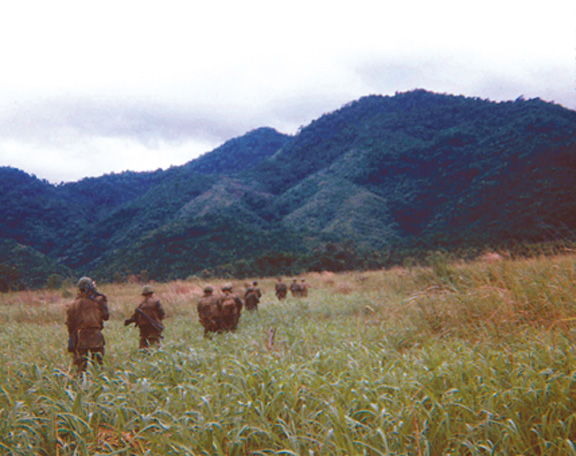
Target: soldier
85	319
209	310
295	288
231	308
148	317
303	288
281	289
252	296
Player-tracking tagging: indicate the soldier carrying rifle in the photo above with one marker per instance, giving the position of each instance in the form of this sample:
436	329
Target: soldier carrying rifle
85	320
148	317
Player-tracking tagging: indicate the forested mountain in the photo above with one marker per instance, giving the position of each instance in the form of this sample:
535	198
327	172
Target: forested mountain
376	181
240	154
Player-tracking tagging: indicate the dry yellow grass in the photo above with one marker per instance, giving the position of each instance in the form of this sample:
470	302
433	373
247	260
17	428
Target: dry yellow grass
465	299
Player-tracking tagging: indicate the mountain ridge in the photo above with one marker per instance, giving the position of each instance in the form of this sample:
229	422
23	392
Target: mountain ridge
413	171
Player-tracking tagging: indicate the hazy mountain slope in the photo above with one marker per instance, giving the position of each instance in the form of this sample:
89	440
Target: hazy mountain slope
124	224
117	209
411	133
326	203
22	267
34	213
228	196
414	171
192	245
111	190
527	197
422	153
240	154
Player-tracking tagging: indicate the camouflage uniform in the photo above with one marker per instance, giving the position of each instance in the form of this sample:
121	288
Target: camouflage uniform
148	317
281	290
252	296
231	306
209	309
295	289
85	320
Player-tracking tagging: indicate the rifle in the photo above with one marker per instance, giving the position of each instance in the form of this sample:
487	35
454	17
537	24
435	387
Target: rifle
157	326
94	294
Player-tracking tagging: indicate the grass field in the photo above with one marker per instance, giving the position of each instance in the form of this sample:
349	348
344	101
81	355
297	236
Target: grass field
454	359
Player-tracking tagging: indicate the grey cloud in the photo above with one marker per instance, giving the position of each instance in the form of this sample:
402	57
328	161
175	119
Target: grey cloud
67	139
550	83
448	75
62	120
289	114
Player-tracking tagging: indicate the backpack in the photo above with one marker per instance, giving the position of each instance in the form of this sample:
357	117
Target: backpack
208	311
229	306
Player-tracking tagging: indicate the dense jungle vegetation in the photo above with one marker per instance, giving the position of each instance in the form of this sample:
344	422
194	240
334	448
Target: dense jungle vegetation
383	181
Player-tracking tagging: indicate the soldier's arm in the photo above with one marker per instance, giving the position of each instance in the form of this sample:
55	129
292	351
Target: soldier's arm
103	302
132	319
70	320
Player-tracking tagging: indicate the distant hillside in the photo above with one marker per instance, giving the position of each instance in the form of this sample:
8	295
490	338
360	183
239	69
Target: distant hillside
368	185
240	154
442	166
23	267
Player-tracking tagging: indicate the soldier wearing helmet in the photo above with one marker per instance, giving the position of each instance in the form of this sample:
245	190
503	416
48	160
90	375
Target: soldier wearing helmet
281	289
209	309
295	288
148	317
85	319
231	306
252	296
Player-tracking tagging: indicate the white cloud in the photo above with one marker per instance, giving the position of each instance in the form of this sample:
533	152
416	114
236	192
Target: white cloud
93	157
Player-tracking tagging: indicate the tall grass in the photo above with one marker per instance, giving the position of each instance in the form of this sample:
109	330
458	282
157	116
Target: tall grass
456	358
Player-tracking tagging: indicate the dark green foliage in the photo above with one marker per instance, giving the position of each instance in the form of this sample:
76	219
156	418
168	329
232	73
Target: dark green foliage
381	181
240	154
23	267
111	190
32	211
194	245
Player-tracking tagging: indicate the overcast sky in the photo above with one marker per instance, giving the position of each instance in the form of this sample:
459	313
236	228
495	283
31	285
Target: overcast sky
89	88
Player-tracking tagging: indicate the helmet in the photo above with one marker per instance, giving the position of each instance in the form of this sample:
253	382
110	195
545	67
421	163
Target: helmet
147	290
255	282
86	284
208	289
227	286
